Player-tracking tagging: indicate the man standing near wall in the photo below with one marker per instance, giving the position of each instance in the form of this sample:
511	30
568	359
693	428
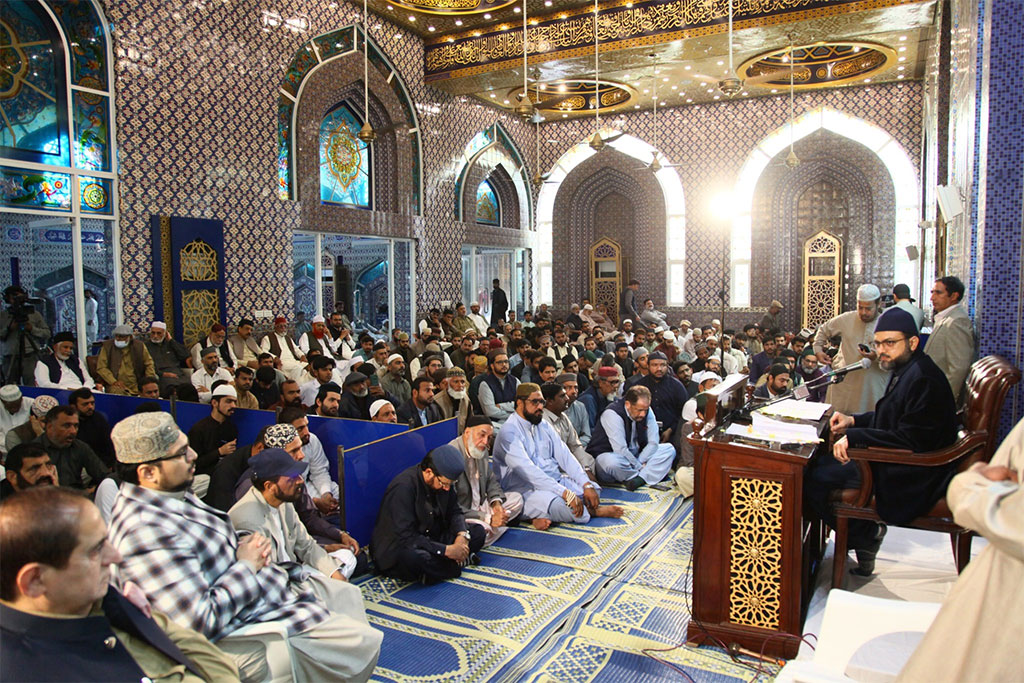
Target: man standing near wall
951	343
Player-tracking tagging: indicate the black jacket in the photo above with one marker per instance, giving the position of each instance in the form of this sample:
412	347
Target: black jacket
667	399
413	516
95	431
499	306
39	648
918	413
206	437
407	414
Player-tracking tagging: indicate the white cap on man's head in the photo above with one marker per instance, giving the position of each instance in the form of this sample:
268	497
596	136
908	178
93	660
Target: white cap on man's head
377	405
225	390
868	293
319	319
158	325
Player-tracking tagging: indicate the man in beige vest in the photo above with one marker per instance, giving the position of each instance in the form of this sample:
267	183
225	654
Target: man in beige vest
123	362
244	345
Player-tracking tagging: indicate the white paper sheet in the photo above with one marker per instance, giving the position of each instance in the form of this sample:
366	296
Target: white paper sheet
800	410
766	429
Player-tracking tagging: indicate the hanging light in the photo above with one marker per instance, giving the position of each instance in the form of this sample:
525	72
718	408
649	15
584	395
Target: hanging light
525	107
792	160
366	133
730	85
596	143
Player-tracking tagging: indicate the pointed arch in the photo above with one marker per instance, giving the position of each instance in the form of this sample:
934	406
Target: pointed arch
493	149
892	155
675	213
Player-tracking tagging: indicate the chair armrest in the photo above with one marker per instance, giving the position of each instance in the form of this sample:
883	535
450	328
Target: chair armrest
962	447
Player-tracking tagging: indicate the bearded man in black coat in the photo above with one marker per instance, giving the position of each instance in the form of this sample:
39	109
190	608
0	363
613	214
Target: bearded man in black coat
917	413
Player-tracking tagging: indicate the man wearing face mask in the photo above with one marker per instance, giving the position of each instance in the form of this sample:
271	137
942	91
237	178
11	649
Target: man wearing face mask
480	495
64	369
123	362
453	400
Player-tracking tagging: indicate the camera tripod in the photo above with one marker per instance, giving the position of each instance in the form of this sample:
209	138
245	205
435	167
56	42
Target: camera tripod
14	373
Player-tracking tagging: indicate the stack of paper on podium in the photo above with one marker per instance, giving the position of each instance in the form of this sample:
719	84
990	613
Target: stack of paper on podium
765	428
797	410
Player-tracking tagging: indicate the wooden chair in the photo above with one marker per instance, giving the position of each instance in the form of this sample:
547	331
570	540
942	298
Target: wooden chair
988	382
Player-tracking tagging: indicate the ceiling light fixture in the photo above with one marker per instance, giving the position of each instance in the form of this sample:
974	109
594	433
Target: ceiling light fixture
525	108
487	16
366	133
730	85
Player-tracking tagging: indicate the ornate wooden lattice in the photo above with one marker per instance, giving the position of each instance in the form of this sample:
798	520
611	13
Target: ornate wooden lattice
198	262
822	278
755	552
200	309
606	275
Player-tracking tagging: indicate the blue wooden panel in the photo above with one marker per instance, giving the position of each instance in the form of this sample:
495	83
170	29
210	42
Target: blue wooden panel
116	408
250	422
371	467
186	414
340	431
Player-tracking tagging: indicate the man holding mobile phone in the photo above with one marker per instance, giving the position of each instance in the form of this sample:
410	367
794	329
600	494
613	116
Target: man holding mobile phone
859	391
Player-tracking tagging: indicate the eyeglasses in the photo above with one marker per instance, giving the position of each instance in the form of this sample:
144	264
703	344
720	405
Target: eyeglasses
442	482
886	343
535	401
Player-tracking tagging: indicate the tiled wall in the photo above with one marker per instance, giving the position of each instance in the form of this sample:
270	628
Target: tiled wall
197	85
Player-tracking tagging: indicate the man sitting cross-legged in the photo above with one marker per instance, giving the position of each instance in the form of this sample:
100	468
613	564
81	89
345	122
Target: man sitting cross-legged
531	459
626	442
421	533
187	558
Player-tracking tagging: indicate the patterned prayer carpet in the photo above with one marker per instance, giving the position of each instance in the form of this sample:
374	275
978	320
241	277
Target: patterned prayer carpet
573	603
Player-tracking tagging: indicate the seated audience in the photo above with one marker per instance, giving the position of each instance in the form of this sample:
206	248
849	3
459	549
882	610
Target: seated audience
62	620
265	387
480	496
916	413
705	380
626	442
762	362
323	373
576	411
208	372
291	394
393	381
123	362
321	488
556	404
243	387
777	384
601	393
383	411
69	454
809	372
279	344
497	390
93	427
15	412
64	369
244	346
149	388
221	492
328	400
530	459
171	360
27	465
421	533
453	400
268	509
420	410
217	339
668	395
35	426
189	562
215	436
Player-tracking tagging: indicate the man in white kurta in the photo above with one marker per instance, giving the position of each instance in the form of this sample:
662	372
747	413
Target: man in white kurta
531	460
859	391
279	343
976	635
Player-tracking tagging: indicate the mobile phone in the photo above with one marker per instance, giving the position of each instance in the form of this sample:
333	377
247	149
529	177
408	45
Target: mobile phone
864	347
374	380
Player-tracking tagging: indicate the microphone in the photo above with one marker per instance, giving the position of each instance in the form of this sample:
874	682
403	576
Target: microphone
862	364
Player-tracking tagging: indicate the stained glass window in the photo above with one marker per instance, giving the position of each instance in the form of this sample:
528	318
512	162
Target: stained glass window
33	99
344	160
488	209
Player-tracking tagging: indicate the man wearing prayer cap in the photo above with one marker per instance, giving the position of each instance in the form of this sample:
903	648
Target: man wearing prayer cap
383	411
601	393
64	369
14	412
215	436
917	413
393	379
421	533
218	339
170	357
189	561
123	362
859	391
31	429
453	398
480	496
533	461
280	344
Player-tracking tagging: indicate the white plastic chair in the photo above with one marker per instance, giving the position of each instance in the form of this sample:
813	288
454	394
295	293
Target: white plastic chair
273	637
850	620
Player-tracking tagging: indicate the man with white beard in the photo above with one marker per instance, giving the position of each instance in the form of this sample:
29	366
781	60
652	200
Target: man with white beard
453	400
480	495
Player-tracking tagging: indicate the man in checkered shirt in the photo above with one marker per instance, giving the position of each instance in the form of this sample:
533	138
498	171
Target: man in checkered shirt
192	566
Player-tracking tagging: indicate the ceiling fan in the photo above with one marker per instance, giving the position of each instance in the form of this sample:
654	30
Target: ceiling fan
792	160
655	164
366	133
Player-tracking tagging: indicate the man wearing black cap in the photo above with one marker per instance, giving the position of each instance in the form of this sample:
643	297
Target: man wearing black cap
902	299
916	413
355	397
480	495
64	369
421	533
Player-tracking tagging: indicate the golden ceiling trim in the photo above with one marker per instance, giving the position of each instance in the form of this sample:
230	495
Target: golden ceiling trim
836	66
570	34
578	96
454	8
